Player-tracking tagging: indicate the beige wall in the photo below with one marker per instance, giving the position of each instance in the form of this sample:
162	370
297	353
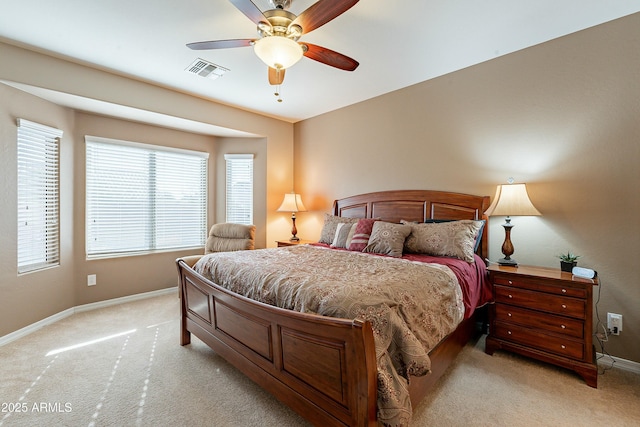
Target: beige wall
29	298
564	117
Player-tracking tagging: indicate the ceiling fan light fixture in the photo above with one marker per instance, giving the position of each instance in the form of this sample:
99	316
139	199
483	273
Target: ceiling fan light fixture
278	52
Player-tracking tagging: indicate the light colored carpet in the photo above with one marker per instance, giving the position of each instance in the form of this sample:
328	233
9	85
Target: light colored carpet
140	376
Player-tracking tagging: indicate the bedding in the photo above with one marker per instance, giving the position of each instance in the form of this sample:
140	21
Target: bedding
411	304
476	289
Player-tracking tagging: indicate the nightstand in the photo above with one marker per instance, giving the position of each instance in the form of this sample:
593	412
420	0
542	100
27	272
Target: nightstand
546	314
283	243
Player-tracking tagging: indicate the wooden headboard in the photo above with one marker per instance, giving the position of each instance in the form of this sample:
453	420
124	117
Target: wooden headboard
416	205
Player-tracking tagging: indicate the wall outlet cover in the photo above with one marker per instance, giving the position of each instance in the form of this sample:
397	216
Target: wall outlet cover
614	323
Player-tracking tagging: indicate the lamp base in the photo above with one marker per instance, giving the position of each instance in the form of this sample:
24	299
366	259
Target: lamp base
507	246
294	230
508	262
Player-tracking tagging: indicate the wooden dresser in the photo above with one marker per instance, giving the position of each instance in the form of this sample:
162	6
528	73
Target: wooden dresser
546	314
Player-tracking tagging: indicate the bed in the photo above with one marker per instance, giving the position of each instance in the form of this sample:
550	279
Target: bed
324	367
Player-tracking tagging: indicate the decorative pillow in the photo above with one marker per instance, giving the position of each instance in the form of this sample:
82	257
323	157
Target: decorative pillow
387	238
362	234
329	228
478	237
455	239
344	234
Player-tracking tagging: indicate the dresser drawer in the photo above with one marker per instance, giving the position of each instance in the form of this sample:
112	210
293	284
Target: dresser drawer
539	285
538	340
573	307
557	324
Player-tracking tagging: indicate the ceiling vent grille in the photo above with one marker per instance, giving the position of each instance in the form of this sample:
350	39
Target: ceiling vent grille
206	69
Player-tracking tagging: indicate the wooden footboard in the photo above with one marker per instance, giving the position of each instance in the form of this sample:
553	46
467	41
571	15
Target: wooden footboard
323	368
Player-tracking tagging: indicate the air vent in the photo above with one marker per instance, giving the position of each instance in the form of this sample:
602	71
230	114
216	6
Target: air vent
206	69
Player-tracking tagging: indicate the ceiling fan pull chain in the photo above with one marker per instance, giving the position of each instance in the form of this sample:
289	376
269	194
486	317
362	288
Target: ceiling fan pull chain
279	79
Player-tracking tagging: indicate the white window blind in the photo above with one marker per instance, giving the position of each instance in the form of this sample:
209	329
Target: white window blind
38	196
143	198
239	194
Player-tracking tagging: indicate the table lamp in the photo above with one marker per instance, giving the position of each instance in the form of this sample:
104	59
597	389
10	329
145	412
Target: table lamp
292	203
510	200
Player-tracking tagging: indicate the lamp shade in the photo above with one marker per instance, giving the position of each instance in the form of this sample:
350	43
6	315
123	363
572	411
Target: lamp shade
512	200
292	203
278	51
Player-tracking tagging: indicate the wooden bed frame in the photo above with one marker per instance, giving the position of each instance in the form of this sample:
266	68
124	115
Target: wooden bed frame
323	368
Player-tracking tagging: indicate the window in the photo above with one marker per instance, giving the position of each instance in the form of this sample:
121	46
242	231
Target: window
143	198
38	196
239	188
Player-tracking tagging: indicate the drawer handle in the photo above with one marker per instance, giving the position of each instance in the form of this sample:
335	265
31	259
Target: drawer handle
564	291
510	282
509	314
563	327
563	346
510	296
509	332
564	305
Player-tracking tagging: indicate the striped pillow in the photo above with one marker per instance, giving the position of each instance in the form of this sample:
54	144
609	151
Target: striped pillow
361	235
344	233
329	228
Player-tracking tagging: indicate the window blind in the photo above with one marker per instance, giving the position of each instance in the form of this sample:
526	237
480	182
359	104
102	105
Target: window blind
143	198
38	196
239	188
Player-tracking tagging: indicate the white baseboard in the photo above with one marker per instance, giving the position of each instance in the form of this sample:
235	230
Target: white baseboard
6	339
122	300
604	360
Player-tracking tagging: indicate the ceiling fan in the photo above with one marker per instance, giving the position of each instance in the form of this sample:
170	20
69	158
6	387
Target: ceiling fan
279	31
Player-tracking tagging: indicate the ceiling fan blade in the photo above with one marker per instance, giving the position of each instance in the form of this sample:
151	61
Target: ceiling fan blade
276	77
220	44
329	57
250	10
322	12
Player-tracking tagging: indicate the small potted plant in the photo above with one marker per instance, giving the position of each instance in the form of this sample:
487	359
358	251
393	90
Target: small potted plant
568	261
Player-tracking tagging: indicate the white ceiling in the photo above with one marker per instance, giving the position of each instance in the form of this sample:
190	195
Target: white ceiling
397	44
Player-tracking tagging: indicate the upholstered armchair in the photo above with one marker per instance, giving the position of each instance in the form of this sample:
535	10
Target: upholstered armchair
226	237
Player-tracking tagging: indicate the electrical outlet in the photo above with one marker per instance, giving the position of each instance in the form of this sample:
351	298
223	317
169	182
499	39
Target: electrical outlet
614	323
91	280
